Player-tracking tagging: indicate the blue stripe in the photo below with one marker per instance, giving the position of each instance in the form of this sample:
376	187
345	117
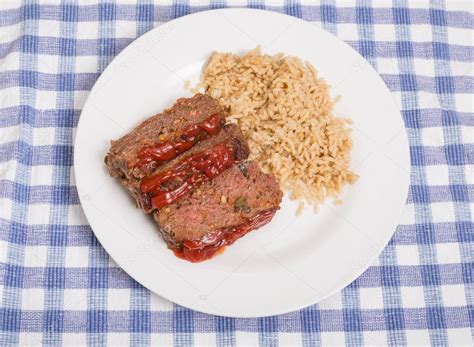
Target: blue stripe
225	331
351	315
267	331
180	8
329	16
183	326
256	4
311	326
89	47
292	8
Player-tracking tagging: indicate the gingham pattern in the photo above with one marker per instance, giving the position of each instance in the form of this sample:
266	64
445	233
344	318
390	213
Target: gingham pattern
59	286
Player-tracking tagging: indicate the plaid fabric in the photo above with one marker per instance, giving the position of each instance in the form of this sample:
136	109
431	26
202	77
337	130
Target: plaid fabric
57	284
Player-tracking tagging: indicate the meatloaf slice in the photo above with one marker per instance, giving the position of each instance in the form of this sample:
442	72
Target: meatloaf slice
164	136
204	161
220	211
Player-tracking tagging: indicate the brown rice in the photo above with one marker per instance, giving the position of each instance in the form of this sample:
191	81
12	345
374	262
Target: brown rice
285	111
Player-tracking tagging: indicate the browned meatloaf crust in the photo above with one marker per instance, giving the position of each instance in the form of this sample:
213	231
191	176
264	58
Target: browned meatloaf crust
229	200
188	168
123	154
230	135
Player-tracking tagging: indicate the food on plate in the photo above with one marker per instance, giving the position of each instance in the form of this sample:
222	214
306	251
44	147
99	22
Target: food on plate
182	174
163	136
219	212
191	173
203	184
286	113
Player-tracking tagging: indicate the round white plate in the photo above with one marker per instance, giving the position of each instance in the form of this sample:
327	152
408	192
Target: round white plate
293	261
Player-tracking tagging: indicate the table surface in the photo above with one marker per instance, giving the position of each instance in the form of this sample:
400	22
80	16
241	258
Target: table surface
58	285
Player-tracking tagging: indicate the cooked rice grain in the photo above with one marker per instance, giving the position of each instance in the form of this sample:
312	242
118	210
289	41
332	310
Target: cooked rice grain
285	112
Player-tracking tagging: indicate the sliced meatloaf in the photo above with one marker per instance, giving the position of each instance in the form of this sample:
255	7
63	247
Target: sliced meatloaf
164	136
220	211
203	162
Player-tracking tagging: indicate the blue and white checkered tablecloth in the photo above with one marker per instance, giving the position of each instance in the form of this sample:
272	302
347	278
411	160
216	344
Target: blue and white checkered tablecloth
58	285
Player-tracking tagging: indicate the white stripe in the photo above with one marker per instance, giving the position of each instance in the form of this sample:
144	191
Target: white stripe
10	33
9	97
10	134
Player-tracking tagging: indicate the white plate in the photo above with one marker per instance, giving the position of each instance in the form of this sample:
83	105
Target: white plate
291	262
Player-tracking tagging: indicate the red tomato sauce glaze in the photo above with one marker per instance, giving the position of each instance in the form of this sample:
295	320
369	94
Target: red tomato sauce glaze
214	243
191	172
191	135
